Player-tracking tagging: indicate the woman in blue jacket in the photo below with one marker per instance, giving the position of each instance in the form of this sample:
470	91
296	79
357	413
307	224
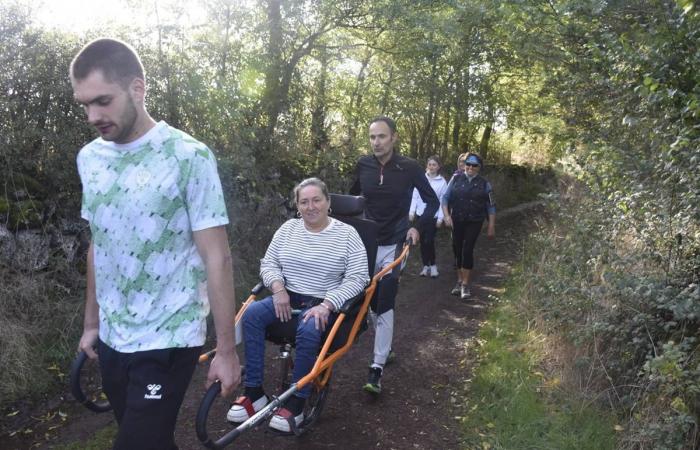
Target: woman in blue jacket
466	204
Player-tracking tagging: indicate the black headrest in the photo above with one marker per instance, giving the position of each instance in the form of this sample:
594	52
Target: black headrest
347	205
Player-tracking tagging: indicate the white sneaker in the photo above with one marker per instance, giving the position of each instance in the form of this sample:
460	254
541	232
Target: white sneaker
280	421
466	292
243	409
433	271
425	272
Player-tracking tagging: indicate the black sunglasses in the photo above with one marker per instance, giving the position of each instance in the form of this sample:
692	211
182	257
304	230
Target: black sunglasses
471	165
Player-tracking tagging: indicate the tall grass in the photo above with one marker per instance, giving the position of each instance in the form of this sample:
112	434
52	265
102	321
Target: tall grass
619	303
39	328
516	400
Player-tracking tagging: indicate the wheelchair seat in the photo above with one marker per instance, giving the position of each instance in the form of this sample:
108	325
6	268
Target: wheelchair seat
350	210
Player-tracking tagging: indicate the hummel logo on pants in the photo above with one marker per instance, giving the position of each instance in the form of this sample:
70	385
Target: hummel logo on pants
153	389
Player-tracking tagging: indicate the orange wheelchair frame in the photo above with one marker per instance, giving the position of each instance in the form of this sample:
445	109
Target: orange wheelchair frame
319	375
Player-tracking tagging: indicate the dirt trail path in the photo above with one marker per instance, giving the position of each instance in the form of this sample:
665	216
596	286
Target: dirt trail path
416	409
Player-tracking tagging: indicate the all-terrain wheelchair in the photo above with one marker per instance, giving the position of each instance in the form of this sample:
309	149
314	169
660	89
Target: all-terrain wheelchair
338	339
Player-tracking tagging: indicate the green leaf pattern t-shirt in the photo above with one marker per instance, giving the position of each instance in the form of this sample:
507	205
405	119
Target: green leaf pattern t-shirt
143	201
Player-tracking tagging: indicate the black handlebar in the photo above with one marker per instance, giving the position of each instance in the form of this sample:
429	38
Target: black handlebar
257	289
201	420
77	390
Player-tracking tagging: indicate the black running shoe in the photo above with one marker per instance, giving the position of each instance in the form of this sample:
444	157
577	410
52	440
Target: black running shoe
374	381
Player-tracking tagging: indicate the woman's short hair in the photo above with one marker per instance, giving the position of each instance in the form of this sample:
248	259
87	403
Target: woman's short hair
117	60
461	158
436	159
311	182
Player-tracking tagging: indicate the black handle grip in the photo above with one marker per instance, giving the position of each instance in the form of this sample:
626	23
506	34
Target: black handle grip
201	420
77	390
258	288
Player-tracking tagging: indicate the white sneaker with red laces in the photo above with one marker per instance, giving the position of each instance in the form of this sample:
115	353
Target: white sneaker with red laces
280	421
243	408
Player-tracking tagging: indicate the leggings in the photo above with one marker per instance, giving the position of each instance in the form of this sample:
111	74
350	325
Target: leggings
427	243
464	236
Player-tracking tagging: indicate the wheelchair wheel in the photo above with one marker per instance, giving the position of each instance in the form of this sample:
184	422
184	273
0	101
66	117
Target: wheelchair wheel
86	384
315	403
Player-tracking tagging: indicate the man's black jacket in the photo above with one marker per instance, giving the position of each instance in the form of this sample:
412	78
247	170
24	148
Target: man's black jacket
388	191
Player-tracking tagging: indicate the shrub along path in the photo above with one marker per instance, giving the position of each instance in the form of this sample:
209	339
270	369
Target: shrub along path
418	406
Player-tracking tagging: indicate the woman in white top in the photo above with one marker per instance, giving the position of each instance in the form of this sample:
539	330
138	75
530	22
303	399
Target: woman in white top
427	234
314	263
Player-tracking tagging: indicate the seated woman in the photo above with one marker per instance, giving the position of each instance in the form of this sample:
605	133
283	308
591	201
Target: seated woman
315	264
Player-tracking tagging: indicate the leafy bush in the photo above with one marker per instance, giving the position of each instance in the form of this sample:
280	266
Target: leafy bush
634	320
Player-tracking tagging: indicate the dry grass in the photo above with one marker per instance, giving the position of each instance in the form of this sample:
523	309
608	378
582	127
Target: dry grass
38	330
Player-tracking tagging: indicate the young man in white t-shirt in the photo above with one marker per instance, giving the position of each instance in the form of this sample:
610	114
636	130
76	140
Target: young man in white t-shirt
159	248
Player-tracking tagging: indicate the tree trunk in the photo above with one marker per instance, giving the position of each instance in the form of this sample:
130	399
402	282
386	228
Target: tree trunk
356	101
273	75
384	102
443	150
484	144
319	136
224	51
171	108
461	110
413	149
429	116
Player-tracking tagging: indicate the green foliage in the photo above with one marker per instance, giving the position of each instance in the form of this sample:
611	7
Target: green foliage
282	90
39	329
4	206
514	184
25	214
618	273
511	403
40	125
636	326
103	438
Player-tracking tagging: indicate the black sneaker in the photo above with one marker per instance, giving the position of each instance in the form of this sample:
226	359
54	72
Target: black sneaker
374	381
457	289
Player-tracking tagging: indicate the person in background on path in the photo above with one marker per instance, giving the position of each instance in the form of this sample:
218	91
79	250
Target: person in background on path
427	234
460	166
314	263
386	179
467	202
459	170
159	257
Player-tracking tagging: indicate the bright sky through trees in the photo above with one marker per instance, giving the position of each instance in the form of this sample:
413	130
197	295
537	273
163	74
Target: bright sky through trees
81	15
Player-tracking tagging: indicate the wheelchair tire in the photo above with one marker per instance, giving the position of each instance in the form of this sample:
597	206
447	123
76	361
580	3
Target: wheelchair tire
98	406
314	405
